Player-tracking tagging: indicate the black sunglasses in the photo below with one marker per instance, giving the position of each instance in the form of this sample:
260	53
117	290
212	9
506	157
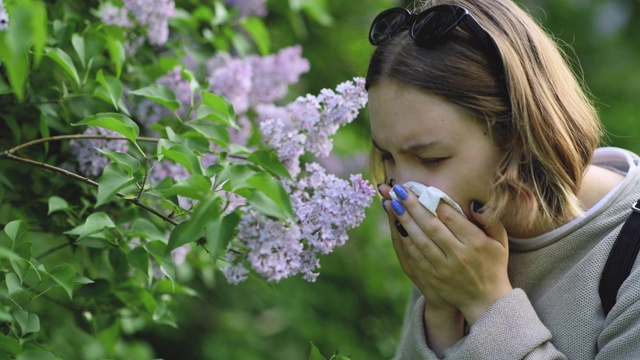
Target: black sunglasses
426	27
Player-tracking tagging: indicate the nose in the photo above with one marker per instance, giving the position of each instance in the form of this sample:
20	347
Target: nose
400	173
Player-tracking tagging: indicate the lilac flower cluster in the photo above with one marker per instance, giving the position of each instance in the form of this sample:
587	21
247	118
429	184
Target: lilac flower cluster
249	7
308	123
4	17
255	80
90	161
151	15
325	206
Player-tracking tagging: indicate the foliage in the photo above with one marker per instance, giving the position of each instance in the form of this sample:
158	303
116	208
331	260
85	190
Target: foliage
142	134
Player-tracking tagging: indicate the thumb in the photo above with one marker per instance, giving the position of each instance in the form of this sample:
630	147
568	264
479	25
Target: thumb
492	226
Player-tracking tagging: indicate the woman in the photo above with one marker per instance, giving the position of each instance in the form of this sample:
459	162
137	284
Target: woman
474	98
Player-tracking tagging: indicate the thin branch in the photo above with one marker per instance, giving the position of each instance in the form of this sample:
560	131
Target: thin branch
69	137
8	155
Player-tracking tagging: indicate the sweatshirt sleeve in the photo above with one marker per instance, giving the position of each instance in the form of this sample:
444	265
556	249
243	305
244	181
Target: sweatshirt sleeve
508	330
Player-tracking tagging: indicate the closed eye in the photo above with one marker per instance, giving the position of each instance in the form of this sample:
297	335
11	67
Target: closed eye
432	161
385	156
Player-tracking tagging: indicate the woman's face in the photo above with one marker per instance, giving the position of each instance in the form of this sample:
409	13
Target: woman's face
425	139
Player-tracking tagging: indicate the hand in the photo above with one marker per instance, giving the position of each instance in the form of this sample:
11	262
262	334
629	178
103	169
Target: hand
450	259
411	259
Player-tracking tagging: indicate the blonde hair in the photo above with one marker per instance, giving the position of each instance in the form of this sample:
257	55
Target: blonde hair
537	111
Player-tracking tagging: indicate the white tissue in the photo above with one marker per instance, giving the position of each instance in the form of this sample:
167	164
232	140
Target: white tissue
428	196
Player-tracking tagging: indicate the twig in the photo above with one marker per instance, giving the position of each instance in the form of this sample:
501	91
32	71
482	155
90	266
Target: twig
69	137
8	155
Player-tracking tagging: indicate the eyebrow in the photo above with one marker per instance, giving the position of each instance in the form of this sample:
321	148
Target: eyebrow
409	148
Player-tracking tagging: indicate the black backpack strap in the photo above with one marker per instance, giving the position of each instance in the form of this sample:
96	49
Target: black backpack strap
621	259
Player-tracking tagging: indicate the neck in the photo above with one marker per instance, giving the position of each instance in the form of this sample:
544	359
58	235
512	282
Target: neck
596	183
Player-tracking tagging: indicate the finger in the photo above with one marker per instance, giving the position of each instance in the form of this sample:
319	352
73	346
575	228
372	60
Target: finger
493	228
458	224
384	190
421	243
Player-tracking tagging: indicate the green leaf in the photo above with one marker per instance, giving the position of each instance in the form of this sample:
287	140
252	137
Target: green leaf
57	203
255	27
15	128
130	164
138	258
145	229
37	354
14	284
15	229
315	353
269	161
213	132
193	229
64	275
160	94
195	187
64	61
29	323
217	109
274	190
114	178
235	176
78	45
95	223
262	203
4	87
10	345
316	9
115	122
26	33
219	233
116	53
112	85
180	154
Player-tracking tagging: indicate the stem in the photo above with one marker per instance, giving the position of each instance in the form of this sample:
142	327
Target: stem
8	155
68	137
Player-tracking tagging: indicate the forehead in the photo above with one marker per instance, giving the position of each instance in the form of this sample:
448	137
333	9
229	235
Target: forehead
401	115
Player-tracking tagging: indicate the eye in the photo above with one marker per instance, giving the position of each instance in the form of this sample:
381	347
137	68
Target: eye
431	162
385	156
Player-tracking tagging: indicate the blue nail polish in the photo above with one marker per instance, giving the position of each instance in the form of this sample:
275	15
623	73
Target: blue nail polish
383	205
397	207
400	192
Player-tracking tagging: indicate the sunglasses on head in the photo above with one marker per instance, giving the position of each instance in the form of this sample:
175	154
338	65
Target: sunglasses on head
426	27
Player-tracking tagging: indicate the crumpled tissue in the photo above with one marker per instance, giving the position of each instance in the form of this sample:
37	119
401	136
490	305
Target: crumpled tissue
428	196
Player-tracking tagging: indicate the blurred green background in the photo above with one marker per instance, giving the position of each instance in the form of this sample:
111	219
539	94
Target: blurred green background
356	305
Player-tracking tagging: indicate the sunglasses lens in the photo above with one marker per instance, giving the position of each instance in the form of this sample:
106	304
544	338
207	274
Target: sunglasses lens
431	25
387	24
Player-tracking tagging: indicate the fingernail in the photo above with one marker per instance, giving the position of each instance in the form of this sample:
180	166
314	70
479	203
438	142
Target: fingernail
397	207
378	187
400	192
383	205
401	229
477	207
392	182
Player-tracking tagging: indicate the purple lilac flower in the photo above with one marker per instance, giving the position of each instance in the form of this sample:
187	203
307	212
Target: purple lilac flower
231	77
255	80
4	17
111	14
90	161
325	206
316	117
249	7
153	15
